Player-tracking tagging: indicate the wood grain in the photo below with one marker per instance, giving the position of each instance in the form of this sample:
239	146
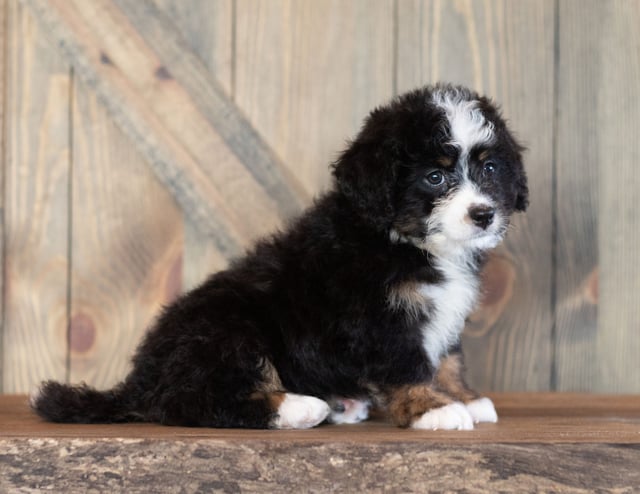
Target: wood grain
142	84
36	206
127	246
169	157
543	442
618	106
237	134
524	418
307	73
207	27
579	78
3	70
503	49
598	153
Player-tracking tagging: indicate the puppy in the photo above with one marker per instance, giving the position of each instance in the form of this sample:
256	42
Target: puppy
360	301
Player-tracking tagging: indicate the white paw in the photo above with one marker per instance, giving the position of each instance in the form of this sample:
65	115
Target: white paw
300	412
349	411
449	417
482	410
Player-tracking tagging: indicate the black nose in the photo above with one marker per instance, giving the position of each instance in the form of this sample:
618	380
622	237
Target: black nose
482	215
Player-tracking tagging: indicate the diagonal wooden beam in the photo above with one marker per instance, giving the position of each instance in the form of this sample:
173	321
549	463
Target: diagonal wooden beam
200	145
229	121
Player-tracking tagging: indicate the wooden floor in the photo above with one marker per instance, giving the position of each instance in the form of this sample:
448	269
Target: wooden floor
524	418
543	442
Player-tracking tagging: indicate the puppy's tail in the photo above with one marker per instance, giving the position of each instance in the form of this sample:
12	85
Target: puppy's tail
58	402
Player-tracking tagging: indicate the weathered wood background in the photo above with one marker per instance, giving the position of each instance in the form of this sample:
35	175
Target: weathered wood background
145	142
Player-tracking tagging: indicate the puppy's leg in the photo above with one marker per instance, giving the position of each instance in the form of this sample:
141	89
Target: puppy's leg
288	410
421	406
450	380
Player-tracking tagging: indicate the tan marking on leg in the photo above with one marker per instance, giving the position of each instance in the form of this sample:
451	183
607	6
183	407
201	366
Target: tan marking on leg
270	377
273	399
407	404
450	380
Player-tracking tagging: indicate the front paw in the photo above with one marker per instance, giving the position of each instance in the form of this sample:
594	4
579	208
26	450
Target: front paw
454	416
482	410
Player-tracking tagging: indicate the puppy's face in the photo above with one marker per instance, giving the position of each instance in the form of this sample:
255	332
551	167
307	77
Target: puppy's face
446	171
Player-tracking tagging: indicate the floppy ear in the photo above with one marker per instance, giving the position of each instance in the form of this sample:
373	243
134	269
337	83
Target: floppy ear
365	174
522	191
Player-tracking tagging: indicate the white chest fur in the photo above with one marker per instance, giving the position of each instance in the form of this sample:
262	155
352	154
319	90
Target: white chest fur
450	302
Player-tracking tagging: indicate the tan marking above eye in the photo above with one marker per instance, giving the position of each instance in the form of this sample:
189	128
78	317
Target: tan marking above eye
483	155
445	161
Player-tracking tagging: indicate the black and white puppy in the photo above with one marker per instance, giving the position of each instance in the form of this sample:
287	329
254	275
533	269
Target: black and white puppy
360	301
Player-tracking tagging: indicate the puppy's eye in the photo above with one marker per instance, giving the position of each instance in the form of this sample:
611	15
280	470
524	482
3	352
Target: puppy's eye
488	167
435	178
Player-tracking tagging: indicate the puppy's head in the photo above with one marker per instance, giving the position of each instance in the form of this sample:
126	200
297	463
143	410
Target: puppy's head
438	168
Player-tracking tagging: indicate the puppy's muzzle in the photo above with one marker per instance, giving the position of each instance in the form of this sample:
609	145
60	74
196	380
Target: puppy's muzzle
482	215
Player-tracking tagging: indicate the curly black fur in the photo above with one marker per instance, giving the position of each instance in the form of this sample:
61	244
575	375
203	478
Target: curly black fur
312	301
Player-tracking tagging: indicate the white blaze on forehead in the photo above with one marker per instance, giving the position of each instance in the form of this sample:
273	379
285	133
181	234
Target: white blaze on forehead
468	126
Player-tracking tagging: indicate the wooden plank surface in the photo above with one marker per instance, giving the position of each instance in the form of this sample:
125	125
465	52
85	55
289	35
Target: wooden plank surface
503	49
618	103
308	73
253	155
163	99
577	189
36	206
207	27
127	237
598	125
543	443
523	418
3	160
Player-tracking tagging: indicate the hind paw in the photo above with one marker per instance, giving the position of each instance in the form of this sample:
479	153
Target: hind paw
300	412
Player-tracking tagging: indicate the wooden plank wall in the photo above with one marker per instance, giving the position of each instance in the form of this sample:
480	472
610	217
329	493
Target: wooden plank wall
97	233
36	205
618	106
3	62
